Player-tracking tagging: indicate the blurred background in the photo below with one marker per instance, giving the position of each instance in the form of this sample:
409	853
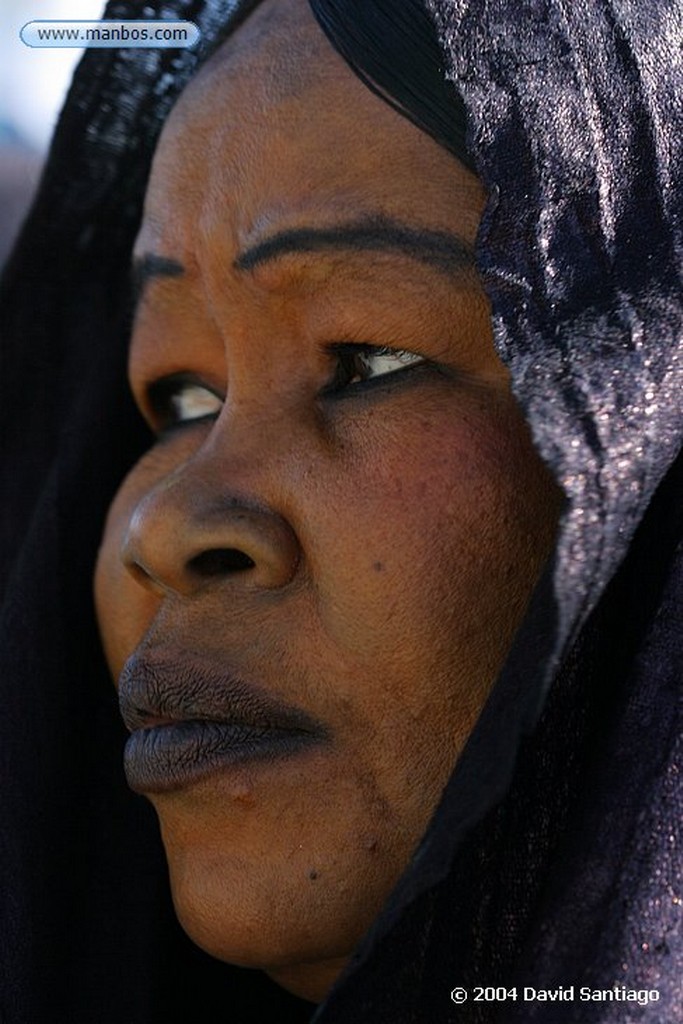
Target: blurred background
33	85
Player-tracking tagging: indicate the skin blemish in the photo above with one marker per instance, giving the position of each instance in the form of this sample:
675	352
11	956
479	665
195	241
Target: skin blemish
242	792
313	874
378	566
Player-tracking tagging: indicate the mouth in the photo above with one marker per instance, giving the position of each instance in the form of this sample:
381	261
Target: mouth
187	722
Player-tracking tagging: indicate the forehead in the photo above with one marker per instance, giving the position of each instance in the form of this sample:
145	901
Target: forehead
269	90
280	45
277	124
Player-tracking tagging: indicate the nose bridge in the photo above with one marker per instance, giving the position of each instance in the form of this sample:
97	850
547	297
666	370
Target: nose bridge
211	521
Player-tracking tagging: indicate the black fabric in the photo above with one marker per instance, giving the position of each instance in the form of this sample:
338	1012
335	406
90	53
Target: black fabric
554	858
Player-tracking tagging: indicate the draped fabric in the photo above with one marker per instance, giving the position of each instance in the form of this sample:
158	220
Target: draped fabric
554	857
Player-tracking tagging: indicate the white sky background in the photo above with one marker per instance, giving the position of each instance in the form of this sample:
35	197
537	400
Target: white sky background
33	82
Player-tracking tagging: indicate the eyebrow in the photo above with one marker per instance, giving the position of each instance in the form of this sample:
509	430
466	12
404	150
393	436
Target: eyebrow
439	249
146	268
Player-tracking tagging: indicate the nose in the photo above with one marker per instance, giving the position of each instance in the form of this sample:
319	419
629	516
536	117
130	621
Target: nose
184	536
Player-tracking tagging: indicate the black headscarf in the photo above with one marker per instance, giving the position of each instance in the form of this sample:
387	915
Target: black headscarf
554	857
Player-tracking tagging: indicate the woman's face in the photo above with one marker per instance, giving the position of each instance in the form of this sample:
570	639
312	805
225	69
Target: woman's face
316	571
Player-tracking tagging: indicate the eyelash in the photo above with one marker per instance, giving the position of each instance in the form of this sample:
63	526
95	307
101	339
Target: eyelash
352	361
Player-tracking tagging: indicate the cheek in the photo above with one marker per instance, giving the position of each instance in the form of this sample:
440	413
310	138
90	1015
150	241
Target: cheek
447	519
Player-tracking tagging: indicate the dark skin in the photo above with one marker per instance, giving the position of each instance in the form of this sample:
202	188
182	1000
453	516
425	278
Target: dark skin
349	428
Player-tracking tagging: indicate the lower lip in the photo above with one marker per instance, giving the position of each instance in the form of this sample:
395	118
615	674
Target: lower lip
168	757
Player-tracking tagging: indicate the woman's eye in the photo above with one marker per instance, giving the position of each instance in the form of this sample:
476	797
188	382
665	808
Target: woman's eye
359	363
177	400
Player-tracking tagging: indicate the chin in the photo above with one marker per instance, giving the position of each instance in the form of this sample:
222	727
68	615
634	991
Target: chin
274	914
303	958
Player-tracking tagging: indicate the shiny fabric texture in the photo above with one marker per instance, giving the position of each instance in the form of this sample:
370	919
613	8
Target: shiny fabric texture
589	105
554	858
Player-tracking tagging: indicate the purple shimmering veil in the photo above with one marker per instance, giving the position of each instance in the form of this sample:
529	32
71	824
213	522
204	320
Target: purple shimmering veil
554	859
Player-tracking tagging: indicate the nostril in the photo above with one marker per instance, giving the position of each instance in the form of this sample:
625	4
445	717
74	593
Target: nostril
220	562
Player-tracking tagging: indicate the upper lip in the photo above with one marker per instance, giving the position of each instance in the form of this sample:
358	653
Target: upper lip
160	692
